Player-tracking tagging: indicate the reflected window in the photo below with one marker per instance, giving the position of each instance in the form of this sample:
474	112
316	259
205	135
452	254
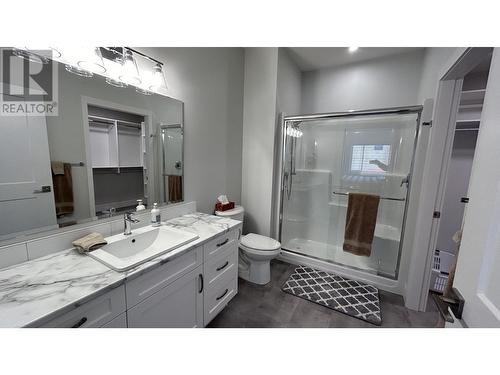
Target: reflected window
370	159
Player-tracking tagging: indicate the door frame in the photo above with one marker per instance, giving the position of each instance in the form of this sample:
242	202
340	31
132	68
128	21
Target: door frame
148	123
434	179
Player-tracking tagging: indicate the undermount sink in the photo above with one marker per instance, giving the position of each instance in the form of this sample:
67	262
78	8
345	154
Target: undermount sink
125	252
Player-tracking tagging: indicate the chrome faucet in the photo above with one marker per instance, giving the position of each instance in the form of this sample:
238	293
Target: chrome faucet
128	219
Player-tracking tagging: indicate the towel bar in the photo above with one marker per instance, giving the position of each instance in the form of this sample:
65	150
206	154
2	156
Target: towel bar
386	198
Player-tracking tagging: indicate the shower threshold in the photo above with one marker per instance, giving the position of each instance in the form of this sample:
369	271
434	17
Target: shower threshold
375	264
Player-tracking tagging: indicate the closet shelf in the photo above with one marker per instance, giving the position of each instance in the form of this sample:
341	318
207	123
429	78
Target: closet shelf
472	95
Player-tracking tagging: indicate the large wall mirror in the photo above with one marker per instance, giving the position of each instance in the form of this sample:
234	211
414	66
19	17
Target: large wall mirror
107	148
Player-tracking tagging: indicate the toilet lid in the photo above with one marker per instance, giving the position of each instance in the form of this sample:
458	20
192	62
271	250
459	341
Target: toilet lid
258	242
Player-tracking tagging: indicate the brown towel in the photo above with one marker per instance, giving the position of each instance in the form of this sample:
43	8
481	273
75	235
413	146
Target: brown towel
174	188
90	242
360	223
63	189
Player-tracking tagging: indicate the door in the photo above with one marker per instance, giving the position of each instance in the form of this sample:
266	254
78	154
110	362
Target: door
478	269
326	159
179	305
25	176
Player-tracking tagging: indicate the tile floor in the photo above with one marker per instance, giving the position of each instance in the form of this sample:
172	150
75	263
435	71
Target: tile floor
268	307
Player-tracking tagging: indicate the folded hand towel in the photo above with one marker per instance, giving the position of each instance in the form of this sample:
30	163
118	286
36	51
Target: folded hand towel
360	223
57	167
90	242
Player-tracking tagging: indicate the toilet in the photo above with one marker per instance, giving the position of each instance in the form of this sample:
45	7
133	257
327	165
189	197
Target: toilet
255	251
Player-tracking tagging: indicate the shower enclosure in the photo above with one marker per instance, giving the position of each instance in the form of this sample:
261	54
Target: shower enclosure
327	156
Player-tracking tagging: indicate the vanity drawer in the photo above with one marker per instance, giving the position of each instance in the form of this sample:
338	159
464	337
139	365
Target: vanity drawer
218	296
221	243
145	285
119	322
93	314
221	265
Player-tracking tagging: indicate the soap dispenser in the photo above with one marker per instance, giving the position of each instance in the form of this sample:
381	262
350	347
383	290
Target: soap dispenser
140	205
155	215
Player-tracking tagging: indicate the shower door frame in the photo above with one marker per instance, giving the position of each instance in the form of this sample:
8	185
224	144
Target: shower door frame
355	113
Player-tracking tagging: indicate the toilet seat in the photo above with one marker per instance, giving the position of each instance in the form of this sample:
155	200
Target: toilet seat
255	243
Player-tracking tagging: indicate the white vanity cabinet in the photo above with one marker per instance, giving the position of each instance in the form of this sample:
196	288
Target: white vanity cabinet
178	305
188	291
220	270
185	291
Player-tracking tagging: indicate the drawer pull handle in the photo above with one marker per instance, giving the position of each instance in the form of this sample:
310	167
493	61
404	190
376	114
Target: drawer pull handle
80	323
223	294
223	242
201	283
223	266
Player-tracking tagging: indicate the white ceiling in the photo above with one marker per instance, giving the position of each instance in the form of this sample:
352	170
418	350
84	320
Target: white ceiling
312	58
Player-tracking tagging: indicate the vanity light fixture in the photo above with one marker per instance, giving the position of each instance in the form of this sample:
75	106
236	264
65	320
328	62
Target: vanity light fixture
130	72
353	49
71	57
91	61
142	91
78	71
120	66
158	79
30	55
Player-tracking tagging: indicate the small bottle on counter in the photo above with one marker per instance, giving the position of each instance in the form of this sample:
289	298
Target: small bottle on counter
140	205
155	215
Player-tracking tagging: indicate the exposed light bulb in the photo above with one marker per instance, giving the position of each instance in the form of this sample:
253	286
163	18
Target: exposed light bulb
157	78
353	49
130	73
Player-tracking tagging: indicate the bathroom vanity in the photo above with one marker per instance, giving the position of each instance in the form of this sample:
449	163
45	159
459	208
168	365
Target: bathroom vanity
186	287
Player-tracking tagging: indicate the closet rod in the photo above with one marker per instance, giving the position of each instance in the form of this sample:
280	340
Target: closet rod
137	124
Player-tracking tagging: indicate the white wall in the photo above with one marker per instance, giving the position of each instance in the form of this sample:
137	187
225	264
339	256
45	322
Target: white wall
435	59
210	83
289	84
384	82
259	121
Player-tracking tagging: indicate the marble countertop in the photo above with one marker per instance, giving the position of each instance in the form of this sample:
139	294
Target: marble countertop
34	292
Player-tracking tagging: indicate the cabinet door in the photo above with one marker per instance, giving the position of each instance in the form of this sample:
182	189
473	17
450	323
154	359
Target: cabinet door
178	305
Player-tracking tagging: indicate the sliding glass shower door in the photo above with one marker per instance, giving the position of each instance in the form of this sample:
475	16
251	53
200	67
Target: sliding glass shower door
325	159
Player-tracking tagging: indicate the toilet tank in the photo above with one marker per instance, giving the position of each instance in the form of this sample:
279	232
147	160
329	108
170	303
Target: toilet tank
237	213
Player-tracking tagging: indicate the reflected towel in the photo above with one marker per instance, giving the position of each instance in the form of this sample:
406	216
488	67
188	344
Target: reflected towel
174	188
63	190
90	242
57	167
360	223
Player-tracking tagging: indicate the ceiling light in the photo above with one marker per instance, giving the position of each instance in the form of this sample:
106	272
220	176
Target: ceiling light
353	49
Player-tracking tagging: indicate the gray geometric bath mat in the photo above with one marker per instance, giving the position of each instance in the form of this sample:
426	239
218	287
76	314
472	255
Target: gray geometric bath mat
347	296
